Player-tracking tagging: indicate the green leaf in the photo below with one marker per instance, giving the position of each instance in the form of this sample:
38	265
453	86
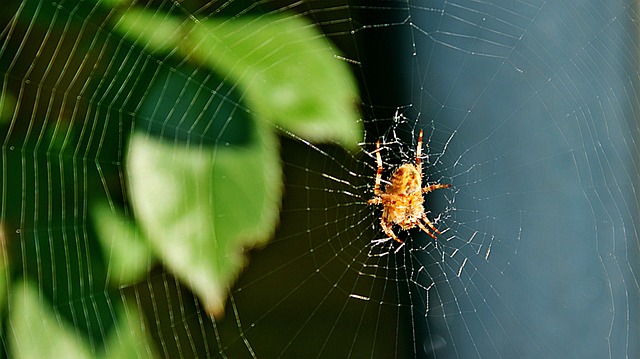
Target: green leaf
200	208
284	64
37	332
114	3
126	251
130	340
7	106
4	267
156	30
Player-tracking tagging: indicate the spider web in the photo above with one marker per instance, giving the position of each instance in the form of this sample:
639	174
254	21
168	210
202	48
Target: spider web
529	109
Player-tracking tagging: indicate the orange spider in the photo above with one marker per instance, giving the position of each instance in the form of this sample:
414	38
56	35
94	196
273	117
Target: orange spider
402	197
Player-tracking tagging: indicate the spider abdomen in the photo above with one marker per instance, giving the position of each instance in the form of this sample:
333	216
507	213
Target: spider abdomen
405	180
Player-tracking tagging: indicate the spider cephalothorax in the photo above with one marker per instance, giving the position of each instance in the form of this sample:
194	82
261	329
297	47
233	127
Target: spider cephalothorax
402	199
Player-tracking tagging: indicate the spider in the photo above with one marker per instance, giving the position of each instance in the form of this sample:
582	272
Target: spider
402	199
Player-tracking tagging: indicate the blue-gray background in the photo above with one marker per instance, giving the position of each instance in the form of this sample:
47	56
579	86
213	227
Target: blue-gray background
535	105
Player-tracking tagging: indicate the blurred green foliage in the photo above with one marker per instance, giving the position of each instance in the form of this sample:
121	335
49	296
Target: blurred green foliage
38	332
201	207
181	118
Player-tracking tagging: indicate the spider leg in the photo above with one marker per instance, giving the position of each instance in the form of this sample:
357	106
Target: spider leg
387	230
434	187
428	222
426	230
419	154
376	189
